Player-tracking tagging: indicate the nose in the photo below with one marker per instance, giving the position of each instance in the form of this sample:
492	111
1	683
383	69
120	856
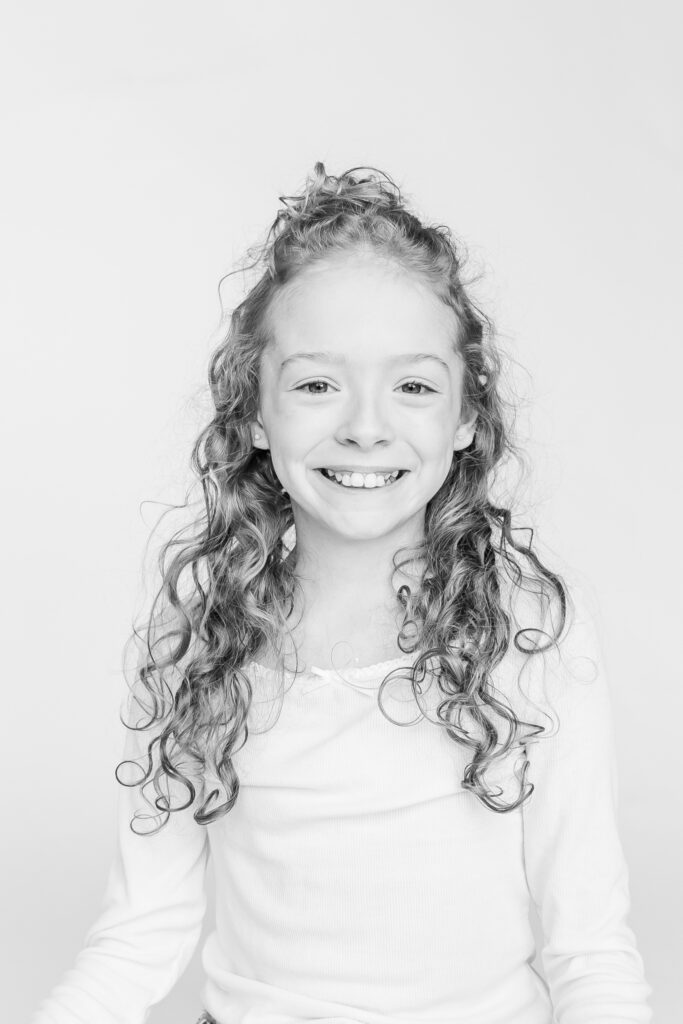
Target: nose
365	421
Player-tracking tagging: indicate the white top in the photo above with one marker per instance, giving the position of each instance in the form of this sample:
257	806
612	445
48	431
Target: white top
356	880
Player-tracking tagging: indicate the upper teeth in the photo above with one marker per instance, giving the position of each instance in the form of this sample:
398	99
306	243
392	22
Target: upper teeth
362	479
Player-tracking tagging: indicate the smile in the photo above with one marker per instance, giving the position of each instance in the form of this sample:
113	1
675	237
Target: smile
361	482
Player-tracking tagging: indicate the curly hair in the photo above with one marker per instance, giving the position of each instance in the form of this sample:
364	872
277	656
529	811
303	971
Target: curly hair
227	590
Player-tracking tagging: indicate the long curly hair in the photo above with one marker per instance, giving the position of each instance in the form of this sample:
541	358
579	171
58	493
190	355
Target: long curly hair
228	584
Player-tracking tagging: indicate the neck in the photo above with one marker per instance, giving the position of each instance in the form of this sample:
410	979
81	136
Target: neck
350	580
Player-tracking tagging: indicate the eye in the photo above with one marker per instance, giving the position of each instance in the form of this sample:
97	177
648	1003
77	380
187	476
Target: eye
310	383
417	384
408	383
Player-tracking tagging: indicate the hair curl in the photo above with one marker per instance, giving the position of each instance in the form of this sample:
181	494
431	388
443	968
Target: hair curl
203	632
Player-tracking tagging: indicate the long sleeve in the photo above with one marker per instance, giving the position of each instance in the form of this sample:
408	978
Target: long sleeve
575	865
150	921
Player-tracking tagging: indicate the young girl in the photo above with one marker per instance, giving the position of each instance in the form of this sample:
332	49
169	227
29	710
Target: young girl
385	720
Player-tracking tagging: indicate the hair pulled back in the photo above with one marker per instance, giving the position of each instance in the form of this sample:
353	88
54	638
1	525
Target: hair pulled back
227	588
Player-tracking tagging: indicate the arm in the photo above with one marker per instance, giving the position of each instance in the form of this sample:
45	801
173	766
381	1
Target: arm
150	921
575	866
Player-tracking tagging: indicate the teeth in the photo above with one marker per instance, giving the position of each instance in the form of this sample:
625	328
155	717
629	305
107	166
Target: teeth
359	480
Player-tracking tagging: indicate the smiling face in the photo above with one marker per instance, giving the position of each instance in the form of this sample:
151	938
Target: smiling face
386	396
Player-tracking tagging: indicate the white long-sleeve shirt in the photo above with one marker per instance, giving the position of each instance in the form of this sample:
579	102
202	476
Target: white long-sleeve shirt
356	880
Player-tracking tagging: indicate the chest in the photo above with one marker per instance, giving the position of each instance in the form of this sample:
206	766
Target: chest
347	651
352	643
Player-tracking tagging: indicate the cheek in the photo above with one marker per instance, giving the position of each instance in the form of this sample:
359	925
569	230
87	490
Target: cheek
288	427
432	434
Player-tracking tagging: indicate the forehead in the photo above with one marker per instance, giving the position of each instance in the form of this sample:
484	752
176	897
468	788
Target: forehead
361	299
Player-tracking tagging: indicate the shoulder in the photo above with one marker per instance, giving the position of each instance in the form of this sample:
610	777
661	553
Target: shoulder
559	672
545	617
156	655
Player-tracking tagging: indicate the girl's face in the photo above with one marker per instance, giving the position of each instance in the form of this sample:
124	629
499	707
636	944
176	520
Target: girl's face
361	376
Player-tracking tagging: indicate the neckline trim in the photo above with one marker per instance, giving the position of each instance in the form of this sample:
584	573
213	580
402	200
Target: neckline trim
361	672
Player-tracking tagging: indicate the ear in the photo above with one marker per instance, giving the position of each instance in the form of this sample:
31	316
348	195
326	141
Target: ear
258	436
464	433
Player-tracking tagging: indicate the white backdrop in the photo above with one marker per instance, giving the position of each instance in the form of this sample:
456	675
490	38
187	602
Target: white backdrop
145	146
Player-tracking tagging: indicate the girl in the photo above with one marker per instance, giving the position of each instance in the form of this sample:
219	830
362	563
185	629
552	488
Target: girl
385	720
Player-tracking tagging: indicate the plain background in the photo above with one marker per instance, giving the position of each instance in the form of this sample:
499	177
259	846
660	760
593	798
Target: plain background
145	147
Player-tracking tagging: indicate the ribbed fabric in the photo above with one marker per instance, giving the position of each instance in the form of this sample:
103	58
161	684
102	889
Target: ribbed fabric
356	880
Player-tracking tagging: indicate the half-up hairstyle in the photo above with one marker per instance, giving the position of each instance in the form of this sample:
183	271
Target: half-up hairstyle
227	589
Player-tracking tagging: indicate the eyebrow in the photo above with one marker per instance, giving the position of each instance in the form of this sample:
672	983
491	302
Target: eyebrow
333	357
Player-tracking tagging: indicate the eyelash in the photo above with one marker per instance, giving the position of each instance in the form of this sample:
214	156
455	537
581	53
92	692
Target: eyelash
405	383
